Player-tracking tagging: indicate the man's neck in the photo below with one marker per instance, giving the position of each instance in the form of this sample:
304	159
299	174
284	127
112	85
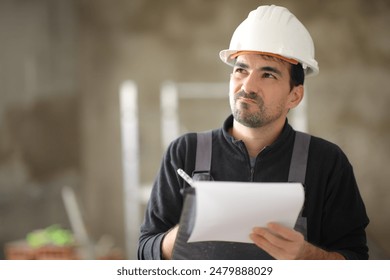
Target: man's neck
256	139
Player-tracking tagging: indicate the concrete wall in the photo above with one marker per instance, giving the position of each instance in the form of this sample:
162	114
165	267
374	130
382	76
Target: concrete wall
62	63
39	114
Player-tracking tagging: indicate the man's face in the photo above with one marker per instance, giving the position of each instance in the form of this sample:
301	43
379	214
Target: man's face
259	90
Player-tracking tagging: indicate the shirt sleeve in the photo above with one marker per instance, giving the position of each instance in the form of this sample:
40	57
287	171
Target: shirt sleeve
338	216
166	201
346	215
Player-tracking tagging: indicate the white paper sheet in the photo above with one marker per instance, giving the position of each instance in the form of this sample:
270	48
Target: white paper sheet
228	211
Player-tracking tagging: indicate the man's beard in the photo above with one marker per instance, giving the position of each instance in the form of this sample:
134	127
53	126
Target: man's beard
243	113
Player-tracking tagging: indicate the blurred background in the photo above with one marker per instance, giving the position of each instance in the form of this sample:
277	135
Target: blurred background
80	89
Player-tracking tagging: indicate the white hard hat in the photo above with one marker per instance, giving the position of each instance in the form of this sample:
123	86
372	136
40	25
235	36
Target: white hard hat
274	31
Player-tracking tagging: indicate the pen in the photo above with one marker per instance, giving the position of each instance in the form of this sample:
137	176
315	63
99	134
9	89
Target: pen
186	177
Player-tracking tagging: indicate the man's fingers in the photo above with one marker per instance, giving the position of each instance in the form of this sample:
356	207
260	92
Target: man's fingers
266	245
269	236
278	241
284	232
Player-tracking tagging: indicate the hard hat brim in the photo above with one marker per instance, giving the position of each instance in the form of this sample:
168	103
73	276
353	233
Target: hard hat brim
229	57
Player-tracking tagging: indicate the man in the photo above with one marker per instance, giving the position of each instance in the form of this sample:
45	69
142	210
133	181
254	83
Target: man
271	52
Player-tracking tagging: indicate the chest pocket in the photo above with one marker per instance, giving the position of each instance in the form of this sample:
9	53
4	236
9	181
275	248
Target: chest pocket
221	250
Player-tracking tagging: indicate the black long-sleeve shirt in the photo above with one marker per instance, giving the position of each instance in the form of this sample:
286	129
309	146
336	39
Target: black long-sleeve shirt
336	215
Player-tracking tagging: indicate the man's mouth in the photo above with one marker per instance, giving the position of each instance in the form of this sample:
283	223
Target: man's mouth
247	100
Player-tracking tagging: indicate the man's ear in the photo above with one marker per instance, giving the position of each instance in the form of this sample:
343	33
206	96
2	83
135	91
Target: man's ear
295	96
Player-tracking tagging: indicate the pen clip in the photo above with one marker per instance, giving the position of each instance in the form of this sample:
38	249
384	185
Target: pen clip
185	176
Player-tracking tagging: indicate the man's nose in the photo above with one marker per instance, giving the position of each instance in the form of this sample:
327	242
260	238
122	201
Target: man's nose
250	83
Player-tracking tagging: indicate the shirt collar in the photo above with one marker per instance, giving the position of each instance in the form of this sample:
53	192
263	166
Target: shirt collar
286	132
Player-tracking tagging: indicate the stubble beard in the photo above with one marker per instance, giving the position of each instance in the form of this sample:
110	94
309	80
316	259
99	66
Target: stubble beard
245	115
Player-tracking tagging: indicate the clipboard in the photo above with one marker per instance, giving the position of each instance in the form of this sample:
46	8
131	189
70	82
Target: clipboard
220	246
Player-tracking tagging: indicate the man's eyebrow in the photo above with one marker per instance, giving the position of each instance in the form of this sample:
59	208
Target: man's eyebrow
241	65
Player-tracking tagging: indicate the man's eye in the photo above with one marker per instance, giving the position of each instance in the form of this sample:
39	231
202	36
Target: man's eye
269	75
239	70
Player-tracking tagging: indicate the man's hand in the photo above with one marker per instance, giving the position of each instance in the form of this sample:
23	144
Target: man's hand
168	242
287	244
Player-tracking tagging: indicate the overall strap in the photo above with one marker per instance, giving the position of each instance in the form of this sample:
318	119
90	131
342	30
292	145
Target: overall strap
203	152
298	163
297	173
203	156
